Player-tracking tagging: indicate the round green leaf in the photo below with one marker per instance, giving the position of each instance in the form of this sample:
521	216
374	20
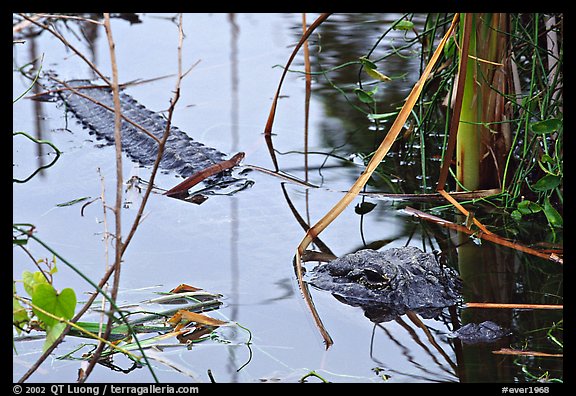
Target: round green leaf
546	126
364	96
404	25
61	305
31	279
367	63
547	182
528	207
546	159
516	215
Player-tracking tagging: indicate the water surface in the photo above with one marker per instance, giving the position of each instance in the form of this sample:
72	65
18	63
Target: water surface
242	246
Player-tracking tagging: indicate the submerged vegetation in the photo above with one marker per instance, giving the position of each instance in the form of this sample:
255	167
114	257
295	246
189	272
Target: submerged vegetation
472	155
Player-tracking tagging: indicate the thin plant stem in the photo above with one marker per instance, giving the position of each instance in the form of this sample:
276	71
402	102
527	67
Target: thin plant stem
119	184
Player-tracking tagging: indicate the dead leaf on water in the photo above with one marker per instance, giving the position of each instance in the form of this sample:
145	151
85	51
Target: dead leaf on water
184	317
183	288
195	335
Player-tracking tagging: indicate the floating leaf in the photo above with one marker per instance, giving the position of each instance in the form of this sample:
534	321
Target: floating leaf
61	305
118	332
547	126
188	316
183	288
554	218
547	182
364	207
73	202
196	335
404	25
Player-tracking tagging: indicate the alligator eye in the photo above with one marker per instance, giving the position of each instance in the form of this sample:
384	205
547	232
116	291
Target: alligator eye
374	276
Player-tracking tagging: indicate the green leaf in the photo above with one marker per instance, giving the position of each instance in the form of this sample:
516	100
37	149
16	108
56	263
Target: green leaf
370	68
404	25
54	269
73	202
20	242
547	126
117	332
554	218
449	48
364	207
382	116
516	215
19	314
547	182
52	334
364	96
31	280
367	63
528	207
377	75
60	305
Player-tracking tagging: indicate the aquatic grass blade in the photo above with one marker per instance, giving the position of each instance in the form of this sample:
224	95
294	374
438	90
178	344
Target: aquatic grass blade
311	28
272	113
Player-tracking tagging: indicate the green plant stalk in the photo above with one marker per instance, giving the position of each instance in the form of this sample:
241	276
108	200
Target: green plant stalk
468	138
38	141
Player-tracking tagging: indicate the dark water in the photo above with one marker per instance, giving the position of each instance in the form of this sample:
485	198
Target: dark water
242	246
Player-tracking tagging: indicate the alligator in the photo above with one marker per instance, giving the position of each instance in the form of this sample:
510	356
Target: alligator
387	284
182	154
485	332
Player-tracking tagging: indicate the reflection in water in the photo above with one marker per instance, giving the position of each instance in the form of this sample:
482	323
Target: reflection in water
446	368
235	219
38	111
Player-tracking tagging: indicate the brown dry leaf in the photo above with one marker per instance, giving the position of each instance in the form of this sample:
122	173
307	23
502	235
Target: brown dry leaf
183	288
195	335
508	351
188	316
